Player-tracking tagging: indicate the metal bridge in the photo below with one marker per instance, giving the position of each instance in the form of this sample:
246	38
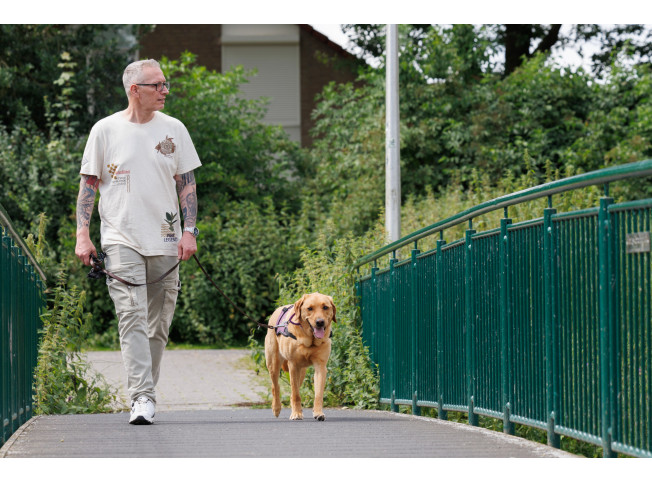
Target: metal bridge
545	322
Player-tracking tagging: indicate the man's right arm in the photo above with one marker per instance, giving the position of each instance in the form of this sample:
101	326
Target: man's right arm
85	203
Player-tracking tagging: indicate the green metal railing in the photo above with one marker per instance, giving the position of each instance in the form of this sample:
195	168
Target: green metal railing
546	323
22	287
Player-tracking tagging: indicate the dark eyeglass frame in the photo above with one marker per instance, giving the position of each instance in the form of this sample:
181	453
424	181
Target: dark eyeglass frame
156	86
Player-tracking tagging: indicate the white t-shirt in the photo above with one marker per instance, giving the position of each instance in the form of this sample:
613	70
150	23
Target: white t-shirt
136	163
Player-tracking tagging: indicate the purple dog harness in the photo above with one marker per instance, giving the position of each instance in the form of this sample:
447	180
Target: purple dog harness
283	321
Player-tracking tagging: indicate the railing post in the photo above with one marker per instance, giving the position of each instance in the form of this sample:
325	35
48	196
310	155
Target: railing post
550	318
374	314
392	322
470	324
415	331
606	325
505	331
441	413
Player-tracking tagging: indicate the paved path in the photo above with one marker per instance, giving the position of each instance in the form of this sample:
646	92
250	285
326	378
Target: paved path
196	418
193	379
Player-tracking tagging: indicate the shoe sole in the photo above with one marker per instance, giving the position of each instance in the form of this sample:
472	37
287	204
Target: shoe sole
141	420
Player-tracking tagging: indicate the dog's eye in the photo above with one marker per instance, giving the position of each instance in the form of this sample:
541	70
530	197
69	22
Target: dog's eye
326	307
309	309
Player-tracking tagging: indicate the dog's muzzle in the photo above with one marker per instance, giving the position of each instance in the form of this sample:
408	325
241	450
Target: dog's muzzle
320	324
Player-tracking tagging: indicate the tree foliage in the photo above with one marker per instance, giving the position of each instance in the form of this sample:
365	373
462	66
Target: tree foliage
29	58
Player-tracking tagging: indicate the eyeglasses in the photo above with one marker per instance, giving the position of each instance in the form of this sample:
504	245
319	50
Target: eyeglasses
158	86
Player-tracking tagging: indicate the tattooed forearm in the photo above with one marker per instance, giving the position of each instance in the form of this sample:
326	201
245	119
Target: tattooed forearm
184	180
189	208
86	200
187	190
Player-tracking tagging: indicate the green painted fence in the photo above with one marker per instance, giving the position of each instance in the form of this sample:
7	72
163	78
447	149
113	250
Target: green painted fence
22	287
546	323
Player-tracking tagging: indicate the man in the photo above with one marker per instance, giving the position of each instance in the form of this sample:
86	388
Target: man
141	161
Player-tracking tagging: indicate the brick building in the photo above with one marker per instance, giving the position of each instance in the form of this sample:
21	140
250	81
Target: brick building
294	63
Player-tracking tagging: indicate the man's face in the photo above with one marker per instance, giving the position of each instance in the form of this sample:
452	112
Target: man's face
150	98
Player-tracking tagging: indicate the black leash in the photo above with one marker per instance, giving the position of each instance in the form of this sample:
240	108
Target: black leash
260	324
97	271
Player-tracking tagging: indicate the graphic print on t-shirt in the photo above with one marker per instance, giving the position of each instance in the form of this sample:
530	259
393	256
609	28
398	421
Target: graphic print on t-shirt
166	147
167	228
119	178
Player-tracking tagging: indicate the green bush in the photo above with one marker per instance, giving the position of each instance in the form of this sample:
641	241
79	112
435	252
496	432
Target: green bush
243	249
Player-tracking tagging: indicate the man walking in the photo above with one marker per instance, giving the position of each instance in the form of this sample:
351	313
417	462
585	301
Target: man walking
141	161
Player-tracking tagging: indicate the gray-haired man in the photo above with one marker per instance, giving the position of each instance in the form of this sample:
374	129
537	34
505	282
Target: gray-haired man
141	161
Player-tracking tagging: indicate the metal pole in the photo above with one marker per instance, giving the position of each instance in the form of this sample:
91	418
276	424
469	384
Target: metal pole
392	144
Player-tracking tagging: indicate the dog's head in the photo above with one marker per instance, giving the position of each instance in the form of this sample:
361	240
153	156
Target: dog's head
318	310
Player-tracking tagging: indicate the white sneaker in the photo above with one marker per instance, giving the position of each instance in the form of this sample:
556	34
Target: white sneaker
142	411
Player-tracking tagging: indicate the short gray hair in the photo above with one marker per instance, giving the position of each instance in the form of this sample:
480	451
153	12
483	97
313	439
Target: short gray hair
134	72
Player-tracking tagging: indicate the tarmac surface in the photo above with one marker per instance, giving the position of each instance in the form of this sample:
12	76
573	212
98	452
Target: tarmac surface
202	413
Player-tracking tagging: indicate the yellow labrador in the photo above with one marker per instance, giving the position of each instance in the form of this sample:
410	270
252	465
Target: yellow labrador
300	339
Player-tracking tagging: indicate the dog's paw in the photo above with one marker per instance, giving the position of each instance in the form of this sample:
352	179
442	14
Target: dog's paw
276	410
319	416
296	417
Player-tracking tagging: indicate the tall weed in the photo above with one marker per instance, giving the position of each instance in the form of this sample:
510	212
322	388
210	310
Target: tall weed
64	381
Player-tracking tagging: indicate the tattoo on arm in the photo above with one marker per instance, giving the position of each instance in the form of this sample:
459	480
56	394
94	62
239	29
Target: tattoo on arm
86	200
187	190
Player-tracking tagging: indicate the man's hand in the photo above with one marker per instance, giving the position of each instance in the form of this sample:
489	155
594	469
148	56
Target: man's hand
84	247
187	247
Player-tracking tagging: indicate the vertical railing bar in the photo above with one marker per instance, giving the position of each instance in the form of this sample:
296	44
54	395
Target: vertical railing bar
581	335
506	372
595	316
549	307
440	343
630	338
415	330
605	303
648	316
470	318
394	344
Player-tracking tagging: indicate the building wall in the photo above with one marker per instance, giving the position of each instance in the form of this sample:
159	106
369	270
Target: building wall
273	52
172	40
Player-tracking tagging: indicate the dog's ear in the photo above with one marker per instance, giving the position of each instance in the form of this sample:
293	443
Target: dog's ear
333	306
298	304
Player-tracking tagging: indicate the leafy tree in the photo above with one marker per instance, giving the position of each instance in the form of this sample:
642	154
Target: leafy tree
514	43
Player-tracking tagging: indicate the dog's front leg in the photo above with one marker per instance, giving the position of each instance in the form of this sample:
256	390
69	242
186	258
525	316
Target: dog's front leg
297	374
320	384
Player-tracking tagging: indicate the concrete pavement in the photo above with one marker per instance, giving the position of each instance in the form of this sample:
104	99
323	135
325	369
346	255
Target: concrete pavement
193	379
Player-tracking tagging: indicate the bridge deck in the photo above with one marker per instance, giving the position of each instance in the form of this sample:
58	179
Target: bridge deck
196	417
252	433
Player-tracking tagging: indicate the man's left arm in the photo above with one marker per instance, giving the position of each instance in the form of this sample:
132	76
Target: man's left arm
187	191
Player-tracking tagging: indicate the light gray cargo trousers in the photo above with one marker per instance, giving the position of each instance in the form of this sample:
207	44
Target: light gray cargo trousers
144	313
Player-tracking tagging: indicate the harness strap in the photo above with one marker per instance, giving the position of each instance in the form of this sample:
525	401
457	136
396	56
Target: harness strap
282	326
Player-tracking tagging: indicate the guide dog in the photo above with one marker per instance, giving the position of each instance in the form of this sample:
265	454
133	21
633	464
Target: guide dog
299	338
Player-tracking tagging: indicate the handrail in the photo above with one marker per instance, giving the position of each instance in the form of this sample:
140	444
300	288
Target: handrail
602	176
5	220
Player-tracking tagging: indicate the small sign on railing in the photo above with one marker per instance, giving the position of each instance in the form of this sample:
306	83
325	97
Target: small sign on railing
638	242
